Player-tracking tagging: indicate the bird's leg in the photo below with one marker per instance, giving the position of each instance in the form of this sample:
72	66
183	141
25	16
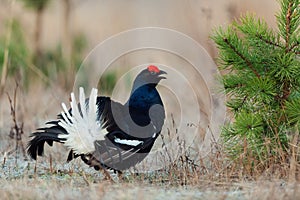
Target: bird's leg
92	162
120	175
107	175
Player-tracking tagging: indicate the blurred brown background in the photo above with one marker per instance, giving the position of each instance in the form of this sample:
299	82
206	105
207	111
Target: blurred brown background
46	44
100	19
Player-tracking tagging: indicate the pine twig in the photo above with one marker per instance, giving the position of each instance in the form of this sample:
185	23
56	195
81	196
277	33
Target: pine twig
288	27
249	64
268	41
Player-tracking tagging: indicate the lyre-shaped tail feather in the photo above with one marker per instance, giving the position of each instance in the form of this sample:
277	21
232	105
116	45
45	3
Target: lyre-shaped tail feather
49	135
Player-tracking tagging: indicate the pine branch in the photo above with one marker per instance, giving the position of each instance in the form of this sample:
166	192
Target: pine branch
268	41
288	28
294	46
286	91
249	64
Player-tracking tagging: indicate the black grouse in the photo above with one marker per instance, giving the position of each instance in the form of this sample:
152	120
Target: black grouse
104	133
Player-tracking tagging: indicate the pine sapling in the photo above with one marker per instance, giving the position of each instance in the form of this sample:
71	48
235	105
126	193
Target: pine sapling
261	77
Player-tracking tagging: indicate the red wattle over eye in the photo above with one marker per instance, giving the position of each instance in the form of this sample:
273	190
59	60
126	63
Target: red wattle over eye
153	68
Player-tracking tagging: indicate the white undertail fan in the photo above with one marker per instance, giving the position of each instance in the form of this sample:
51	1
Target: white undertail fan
77	128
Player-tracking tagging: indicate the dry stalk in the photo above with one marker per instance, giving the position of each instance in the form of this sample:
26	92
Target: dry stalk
16	130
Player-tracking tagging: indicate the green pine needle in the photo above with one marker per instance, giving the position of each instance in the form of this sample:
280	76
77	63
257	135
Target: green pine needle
262	80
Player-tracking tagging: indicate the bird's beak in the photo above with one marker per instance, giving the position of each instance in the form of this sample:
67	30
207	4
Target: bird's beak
161	72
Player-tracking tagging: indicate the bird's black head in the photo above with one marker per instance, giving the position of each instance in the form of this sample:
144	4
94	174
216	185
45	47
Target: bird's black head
151	75
144	96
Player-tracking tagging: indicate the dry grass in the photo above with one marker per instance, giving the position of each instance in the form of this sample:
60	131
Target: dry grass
39	188
77	182
188	177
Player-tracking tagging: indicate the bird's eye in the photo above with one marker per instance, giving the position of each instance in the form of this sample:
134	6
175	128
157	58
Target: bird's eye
152	73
